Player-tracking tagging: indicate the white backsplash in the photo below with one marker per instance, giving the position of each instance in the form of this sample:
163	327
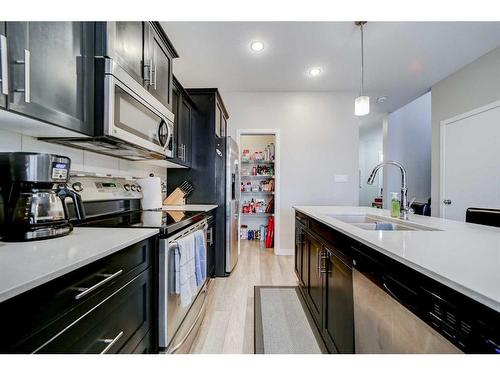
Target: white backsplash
80	160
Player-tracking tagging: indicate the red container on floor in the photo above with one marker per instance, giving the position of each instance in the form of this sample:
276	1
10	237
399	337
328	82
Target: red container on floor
270	233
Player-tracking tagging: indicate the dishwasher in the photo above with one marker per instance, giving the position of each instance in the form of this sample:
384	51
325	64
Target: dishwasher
179	325
385	309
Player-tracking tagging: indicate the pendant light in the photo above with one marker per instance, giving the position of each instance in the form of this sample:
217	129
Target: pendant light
362	102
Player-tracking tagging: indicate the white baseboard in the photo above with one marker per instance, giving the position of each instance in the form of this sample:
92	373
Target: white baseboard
283	251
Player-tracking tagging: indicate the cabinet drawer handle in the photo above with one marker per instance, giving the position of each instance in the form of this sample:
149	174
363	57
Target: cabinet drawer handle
3	65
110	342
27	74
108	277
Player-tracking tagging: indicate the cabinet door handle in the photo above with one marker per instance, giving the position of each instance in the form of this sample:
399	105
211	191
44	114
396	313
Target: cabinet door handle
27	73
146	72
154	76
3	65
108	278
110	342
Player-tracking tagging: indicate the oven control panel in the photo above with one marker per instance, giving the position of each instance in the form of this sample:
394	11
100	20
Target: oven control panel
92	188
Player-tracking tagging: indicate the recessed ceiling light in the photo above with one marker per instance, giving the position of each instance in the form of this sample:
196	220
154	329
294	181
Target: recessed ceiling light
382	99
314	72
257	46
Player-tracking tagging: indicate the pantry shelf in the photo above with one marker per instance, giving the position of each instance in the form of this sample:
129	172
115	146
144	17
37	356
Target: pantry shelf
258	214
258	192
257	176
251	162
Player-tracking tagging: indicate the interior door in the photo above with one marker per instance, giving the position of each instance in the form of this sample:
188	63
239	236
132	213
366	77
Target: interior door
470	175
4	71
51	72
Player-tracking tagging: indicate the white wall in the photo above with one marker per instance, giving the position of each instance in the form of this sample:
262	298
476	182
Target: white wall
319	138
408	141
80	160
473	86
370	149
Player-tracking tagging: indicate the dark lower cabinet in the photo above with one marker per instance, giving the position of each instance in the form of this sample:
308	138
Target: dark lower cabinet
338	322
315	285
325	279
51	69
211	248
107	306
116	325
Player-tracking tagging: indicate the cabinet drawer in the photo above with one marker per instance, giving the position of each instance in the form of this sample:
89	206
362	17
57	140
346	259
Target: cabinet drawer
116	325
40	313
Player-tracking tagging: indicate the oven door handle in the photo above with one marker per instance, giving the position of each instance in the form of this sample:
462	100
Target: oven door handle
190	330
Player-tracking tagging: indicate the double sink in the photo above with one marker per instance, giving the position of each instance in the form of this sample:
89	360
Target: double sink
372	222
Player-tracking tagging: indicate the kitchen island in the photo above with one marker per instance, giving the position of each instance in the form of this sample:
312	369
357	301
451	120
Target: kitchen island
444	272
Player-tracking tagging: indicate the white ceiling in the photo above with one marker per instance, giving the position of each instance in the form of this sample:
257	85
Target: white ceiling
402	59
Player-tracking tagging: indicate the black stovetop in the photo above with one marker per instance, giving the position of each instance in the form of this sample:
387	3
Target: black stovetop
167	221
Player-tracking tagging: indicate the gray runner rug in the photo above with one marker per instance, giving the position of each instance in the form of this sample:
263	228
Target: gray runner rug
282	323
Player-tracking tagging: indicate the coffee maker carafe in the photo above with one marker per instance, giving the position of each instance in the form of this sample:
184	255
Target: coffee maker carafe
32	196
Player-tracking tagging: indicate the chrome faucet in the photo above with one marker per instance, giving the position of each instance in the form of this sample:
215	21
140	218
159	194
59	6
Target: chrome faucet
404	209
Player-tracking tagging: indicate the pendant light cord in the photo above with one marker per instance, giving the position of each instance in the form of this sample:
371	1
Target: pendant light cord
362	61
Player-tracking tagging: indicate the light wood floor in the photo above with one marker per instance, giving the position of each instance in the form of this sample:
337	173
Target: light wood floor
229	323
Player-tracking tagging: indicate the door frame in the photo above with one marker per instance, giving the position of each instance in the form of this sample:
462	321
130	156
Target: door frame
442	138
277	170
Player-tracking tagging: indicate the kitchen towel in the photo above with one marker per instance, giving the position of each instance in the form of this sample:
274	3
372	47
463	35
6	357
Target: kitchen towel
200	257
187	277
151	193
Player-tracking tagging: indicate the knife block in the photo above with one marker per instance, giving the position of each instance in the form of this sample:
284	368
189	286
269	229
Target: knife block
177	197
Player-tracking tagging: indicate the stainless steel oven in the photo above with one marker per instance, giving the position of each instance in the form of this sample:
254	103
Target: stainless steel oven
178	325
130	123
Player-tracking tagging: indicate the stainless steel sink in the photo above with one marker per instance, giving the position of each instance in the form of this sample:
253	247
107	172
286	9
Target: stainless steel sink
369	222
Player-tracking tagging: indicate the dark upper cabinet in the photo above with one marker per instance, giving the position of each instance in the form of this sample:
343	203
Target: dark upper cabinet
158	55
221	117
51	72
4	71
184	135
144	51
184	110
124	44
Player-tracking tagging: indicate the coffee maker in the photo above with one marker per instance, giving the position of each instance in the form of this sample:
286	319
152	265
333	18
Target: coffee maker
32	196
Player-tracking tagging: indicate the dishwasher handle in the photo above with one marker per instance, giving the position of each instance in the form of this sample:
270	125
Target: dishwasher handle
401	291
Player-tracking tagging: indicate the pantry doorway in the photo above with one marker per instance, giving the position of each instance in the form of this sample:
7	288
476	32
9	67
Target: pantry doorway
260	189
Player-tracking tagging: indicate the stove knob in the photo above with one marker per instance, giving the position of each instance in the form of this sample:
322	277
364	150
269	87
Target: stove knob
133	188
77	186
139	188
126	187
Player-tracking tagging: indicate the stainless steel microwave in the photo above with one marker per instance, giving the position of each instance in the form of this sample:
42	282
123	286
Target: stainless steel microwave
130	123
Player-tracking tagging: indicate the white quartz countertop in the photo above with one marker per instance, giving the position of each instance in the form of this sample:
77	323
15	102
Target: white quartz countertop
463	256
26	265
191	207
